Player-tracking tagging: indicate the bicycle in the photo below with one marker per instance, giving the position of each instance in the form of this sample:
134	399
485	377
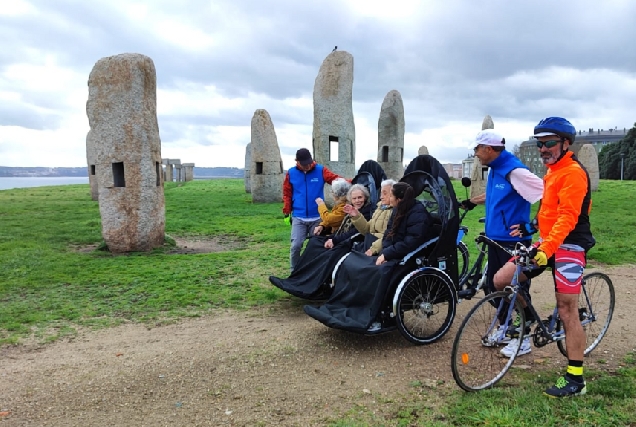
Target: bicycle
475	359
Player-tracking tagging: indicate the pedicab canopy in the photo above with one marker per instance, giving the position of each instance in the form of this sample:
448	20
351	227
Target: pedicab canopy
434	189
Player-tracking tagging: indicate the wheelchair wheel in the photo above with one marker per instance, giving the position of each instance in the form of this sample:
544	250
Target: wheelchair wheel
596	307
476	361
425	306
462	261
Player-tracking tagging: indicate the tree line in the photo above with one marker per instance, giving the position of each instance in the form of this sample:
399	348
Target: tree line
609	159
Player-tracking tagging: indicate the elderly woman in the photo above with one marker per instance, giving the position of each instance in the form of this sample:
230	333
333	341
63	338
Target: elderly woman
377	224
323	252
362	280
331	220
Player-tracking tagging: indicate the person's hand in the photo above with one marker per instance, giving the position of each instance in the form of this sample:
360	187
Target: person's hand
317	230
329	244
319	201
287	219
351	210
380	260
527	228
468	205
539	257
369	252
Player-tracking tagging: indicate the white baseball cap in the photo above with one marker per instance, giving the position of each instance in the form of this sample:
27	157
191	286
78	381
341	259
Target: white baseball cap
488	137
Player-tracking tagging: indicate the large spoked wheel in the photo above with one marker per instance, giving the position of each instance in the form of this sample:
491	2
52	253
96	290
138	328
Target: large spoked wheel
425	307
462	261
596	307
476	360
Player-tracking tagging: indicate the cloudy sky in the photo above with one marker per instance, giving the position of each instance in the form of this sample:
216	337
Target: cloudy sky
453	61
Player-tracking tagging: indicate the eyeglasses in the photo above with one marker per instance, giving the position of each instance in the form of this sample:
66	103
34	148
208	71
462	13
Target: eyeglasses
548	144
477	148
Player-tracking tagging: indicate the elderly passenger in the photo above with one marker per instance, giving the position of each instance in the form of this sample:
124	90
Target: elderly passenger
331	220
378	222
323	252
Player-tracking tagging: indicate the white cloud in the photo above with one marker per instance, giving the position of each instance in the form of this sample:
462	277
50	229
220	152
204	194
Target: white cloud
217	62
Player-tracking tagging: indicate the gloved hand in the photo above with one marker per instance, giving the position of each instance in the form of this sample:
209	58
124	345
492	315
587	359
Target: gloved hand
287	219
468	205
528	228
539	257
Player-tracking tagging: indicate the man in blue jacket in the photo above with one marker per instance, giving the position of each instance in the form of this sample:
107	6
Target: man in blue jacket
510	191
303	184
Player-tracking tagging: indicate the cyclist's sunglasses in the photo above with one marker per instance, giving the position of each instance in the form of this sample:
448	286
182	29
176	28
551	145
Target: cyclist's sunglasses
548	144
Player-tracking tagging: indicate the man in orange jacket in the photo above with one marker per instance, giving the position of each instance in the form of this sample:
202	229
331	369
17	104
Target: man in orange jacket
565	237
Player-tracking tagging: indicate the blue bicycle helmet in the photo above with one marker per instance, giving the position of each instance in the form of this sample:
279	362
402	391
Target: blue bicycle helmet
555	125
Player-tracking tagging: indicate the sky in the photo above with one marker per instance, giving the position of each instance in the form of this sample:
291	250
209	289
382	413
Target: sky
217	62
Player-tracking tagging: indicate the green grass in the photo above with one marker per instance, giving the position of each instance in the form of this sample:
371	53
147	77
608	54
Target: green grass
611	221
51	285
610	401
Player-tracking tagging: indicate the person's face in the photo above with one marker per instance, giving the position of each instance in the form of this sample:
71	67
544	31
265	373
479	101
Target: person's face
385	194
393	201
549	155
357	199
305	168
485	154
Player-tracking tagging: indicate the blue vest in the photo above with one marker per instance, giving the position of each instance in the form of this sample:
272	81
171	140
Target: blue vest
305	188
504	206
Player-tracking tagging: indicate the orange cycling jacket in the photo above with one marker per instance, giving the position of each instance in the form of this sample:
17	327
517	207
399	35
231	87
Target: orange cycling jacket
563	216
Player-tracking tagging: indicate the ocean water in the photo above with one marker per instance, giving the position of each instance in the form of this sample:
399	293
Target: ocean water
23	182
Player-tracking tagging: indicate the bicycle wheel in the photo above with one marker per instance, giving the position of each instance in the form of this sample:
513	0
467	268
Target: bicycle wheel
462	261
596	307
476	366
425	306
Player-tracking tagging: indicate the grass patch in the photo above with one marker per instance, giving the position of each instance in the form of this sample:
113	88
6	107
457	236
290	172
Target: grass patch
610	401
49	284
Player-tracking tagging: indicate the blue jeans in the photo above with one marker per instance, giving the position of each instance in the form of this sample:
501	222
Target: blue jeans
300	229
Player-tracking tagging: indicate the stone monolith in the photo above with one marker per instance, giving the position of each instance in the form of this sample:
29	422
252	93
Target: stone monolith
334	130
588	157
248	165
391	135
266	170
487	123
122	114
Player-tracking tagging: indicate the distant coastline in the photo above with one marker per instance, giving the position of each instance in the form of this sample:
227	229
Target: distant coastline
34	172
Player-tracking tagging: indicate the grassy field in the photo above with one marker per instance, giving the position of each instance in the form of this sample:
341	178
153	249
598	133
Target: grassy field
55	281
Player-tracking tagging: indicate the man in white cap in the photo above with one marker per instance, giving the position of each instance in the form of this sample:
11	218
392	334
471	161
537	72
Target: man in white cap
510	191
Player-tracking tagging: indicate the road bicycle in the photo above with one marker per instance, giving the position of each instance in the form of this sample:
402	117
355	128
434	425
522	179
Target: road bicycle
476	362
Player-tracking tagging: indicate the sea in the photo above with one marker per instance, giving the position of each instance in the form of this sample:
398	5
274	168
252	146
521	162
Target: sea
7	183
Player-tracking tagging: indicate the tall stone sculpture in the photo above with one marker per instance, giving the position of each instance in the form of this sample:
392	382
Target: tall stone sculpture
248	165
487	123
391	135
90	158
422	150
122	114
188	171
588	157
334	131
266	170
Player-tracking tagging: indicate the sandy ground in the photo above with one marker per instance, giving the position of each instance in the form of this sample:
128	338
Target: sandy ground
273	366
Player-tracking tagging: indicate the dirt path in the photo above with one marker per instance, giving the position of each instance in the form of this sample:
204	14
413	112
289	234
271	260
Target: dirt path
262	367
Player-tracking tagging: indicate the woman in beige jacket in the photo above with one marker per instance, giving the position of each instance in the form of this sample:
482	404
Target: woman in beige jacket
378	222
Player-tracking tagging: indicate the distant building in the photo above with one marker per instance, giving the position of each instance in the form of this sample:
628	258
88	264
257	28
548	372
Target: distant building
597	138
467	166
454	170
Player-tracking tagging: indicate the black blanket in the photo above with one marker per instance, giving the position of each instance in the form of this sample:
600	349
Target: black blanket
358	295
310	278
